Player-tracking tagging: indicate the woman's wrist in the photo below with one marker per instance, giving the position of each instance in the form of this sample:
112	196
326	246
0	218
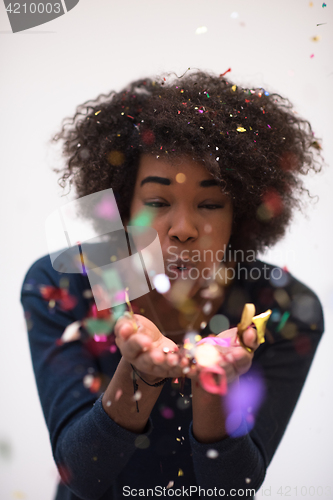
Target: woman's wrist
147	378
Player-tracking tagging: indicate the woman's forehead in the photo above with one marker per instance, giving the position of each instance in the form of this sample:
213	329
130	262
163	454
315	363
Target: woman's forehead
176	168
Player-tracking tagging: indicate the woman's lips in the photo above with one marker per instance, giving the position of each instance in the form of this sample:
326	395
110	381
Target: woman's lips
179	269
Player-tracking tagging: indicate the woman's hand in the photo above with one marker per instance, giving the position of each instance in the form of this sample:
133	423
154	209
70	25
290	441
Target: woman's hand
235	359
142	344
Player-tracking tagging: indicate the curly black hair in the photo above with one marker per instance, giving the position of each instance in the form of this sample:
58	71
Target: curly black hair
250	140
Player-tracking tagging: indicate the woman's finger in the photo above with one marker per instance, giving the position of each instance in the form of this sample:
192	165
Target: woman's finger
133	345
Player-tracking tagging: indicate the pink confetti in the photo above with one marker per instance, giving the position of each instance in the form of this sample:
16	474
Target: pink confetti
105	209
312	55
208	382
118	394
215	341
167	412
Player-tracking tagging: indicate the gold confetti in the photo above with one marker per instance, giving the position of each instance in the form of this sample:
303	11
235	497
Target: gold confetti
260	322
98	112
241	129
201	30
116	158
315	38
180	472
180	178
234	88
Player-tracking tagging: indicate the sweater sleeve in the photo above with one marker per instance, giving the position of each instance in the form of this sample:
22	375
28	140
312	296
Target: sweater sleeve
281	364
89	448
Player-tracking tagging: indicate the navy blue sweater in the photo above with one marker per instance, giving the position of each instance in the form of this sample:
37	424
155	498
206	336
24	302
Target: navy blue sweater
98	459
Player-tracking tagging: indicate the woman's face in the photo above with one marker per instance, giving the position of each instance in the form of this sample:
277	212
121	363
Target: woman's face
192	216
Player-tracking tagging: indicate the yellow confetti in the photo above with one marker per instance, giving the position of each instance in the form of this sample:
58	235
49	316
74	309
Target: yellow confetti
234	88
315	38
260	322
18	494
201	30
246	319
180	472
98	112
241	129
116	158
180	178
207	355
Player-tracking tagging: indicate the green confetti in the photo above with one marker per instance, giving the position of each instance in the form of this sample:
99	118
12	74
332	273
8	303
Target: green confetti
283	321
144	218
98	326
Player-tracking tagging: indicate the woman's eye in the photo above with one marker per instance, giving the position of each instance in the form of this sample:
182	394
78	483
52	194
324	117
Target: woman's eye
211	206
155	204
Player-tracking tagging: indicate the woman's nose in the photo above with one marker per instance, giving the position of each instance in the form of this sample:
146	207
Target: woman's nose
183	227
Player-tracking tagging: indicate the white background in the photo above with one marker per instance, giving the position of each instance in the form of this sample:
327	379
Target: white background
102	45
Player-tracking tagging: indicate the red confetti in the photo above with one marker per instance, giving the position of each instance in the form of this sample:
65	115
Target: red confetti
272	200
61	295
222	74
148	137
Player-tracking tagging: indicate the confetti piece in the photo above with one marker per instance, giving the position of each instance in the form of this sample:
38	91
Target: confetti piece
208	382
315	38
161	283
71	333
311	4
223	342
218	323
167	412
246	319
170	484
180	472
201	30
98	326
6	449
180	178
222	74
234	88
283	321
116	158
212	453
206	354
137	396
142	442
118	395
207	308
247	480
106	209
324	5
19	495
260	322
144	218
312	55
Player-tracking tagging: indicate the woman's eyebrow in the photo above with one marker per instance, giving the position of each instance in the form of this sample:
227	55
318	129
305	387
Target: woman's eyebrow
159	180
209	183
